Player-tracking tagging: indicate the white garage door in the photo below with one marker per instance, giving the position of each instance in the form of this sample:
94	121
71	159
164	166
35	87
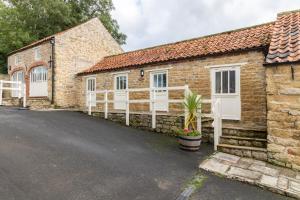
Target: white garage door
39	82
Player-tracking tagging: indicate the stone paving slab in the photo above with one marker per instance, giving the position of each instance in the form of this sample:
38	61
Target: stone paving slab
277	179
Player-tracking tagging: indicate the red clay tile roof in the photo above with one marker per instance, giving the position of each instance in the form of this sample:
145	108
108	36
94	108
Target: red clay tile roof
285	42
241	39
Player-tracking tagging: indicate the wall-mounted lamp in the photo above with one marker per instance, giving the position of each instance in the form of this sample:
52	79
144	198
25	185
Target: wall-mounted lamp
293	72
142	73
52	41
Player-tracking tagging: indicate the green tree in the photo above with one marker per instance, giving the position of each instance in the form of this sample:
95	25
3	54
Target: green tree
24	21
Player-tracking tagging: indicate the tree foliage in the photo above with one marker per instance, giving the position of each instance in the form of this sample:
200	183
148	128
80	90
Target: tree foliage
24	21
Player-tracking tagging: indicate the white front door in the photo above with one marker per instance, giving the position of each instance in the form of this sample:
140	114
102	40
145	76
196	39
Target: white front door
159	81
226	87
121	84
39	82
91	89
17	77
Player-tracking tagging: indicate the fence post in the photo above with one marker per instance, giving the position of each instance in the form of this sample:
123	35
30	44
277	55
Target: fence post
153	98
127	107
105	104
186	93
19	89
1	92
217	122
24	97
90	103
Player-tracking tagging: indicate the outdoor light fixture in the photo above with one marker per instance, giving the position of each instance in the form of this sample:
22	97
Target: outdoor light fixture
142	73
52	41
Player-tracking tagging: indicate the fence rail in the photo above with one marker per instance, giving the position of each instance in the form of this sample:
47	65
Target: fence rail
13	86
215	106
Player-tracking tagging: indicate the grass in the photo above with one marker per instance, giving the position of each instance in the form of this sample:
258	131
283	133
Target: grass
197	181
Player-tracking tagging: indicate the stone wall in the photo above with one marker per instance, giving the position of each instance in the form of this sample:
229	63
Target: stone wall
75	50
197	76
283	95
166	124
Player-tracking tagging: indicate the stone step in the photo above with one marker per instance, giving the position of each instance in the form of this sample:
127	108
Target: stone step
243	141
244	133
244	151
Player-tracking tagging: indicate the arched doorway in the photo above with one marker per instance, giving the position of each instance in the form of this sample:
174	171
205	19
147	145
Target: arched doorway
39	82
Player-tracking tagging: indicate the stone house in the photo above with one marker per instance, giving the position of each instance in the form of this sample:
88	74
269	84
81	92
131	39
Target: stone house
253	70
49	66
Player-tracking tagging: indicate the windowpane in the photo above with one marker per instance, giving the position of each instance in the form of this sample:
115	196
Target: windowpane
232	82
164	80
225	82
118	84
155	80
159	80
125	83
218	83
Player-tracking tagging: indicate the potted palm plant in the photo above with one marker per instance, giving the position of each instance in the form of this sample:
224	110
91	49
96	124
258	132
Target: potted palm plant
189	138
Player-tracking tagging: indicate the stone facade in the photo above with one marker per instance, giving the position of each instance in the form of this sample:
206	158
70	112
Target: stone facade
197	76
283	95
75	49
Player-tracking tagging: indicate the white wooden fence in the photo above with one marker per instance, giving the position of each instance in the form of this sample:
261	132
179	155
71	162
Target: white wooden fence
13	86
215	106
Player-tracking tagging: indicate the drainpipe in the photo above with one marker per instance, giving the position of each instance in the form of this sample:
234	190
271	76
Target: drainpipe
52	42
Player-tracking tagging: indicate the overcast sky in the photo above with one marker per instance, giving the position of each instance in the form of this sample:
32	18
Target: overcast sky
153	22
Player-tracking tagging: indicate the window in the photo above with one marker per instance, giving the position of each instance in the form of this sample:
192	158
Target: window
38	74
225	82
160	80
121	82
17	59
17	77
37	53
91	84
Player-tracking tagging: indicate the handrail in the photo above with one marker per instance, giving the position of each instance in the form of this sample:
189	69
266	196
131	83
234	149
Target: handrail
15	86
215	105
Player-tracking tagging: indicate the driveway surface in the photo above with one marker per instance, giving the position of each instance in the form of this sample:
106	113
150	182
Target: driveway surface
71	156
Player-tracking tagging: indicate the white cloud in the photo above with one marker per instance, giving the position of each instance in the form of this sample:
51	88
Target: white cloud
153	22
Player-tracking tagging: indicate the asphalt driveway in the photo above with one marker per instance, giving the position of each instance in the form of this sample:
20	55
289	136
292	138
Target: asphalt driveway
71	156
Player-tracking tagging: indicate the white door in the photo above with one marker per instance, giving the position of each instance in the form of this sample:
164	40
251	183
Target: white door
91	89
39	82
226	87
121	84
17	77
159	81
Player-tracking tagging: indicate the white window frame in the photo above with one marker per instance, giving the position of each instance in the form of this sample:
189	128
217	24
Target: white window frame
237	81
37	53
115	81
160	71
17	59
